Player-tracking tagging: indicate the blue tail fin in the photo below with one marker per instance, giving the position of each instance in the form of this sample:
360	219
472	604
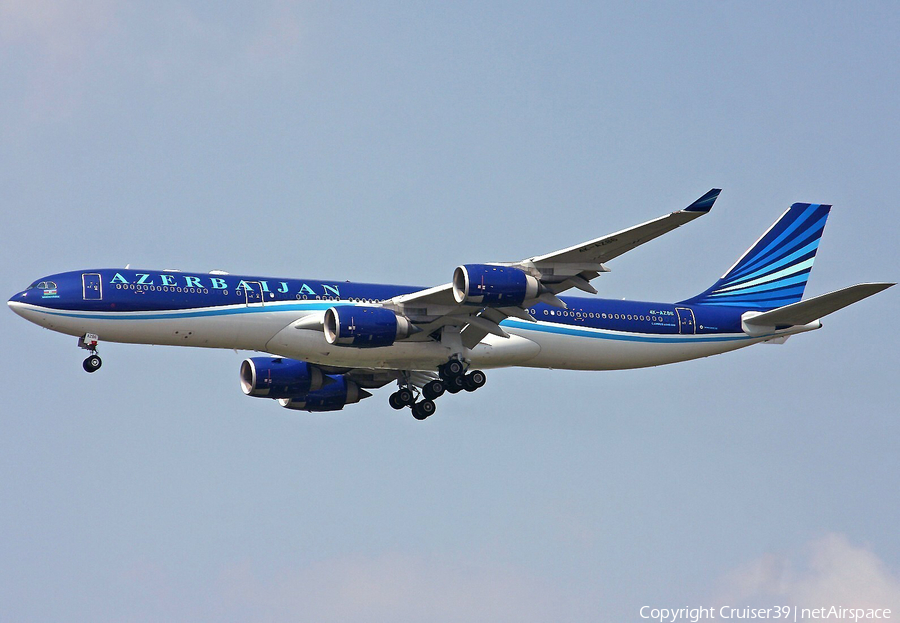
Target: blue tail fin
773	273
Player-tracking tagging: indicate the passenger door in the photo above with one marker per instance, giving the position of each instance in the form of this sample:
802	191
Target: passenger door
686	321
253	294
92	288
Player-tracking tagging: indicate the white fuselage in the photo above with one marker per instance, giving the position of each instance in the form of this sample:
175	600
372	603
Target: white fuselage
273	329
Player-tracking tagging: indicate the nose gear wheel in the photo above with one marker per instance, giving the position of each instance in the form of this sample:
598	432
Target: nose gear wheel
92	363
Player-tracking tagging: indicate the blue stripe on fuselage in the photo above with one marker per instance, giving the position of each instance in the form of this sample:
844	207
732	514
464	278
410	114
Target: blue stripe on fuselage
626	337
156	295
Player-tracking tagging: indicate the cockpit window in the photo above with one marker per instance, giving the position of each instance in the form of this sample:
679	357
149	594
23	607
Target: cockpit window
42	285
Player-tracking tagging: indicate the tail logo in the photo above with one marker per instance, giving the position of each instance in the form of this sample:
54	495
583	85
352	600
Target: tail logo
775	270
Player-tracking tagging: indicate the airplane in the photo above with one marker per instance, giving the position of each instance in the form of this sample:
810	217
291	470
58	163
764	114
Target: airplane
327	343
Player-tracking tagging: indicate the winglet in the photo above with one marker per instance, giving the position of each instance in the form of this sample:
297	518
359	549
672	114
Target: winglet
705	203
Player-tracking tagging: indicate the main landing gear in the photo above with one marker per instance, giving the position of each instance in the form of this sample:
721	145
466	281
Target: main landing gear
453	379
89	342
406	397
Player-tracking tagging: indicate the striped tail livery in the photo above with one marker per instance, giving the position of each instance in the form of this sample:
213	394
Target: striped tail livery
774	271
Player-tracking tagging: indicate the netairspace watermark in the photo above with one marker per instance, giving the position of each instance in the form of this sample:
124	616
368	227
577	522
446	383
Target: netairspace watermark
785	613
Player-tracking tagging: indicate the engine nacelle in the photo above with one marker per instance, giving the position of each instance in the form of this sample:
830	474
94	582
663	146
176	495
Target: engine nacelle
333	397
364	326
497	286
275	377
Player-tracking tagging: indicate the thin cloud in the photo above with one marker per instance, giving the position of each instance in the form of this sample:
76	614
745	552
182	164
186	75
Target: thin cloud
393	587
68	51
61	28
55	44
829	571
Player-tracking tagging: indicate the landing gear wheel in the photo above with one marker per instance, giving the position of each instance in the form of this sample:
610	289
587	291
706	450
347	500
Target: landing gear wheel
394	401
92	363
405	396
475	379
456	384
424	409
452	368
433	389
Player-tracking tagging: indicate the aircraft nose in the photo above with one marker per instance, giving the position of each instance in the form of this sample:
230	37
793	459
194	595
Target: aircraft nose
15	300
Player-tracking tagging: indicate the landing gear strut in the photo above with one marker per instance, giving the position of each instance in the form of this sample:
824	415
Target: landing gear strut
89	342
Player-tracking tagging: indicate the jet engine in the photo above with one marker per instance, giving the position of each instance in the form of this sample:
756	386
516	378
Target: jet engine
497	286
339	392
365	327
275	377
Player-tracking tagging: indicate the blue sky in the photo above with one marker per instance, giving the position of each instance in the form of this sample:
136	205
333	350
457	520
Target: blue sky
391	142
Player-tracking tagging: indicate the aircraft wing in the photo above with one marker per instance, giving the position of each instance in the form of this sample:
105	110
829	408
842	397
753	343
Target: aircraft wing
607	247
438	295
572	267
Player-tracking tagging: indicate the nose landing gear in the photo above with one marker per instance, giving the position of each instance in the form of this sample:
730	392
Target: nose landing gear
89	342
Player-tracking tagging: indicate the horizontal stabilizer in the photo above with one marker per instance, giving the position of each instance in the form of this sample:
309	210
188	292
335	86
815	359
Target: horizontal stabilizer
812	309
